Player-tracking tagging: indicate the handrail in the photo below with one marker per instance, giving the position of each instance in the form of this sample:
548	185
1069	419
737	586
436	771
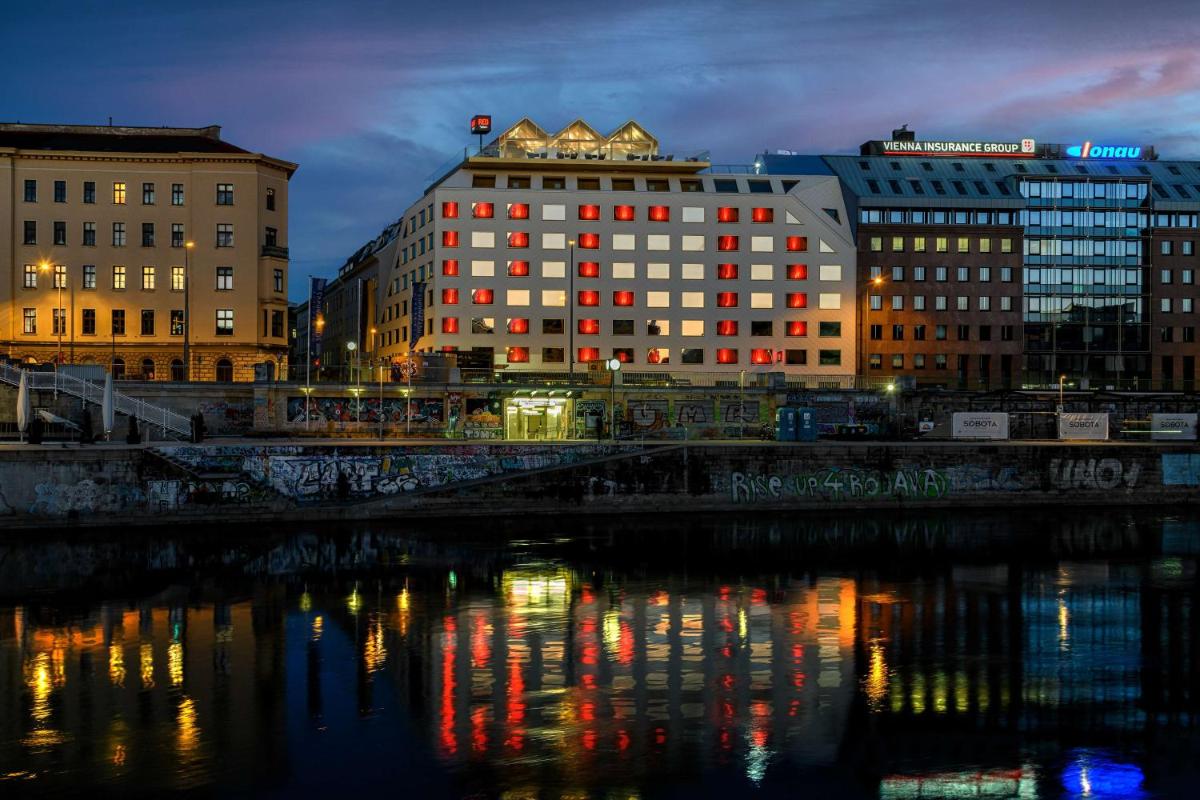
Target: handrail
91	392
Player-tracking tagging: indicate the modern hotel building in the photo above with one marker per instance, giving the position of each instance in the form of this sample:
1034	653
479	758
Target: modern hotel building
549	251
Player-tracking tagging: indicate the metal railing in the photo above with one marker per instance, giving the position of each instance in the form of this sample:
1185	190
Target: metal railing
90	392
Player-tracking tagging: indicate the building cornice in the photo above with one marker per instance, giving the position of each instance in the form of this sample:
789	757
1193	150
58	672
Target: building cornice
286	167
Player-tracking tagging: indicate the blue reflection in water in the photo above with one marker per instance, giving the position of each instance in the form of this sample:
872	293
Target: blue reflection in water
1094	774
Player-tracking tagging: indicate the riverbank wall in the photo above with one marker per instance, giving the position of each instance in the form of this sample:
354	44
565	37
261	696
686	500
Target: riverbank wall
245	482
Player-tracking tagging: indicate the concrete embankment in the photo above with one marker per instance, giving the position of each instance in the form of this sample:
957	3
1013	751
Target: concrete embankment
52	486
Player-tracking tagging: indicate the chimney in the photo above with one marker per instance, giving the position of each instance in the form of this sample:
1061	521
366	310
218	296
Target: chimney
903	134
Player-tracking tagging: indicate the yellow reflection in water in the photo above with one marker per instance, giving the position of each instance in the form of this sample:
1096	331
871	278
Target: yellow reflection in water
318	627
175	663
116	664
877	676
146	664
305	602
187	731
1064	623
354	602
374	651
537	589
404	610
39	681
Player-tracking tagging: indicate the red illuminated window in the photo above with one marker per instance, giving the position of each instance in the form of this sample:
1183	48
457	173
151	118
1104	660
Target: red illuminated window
726	299
653	356
449	210
482	210
727	243
449	297
449	348
760	356
623	213
450	267
727	272
727	327
727	355
518	239
797	328
622	298
518	355
727	214
589	212
481	297
518	325
588	354
797	244
589	269
449	324
659	213
589	241
518	211
589	298
589	327
797	272
797	300
623	354
449	238
761	215
518	269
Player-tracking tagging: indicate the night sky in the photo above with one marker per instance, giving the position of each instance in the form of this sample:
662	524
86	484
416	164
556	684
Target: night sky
371	97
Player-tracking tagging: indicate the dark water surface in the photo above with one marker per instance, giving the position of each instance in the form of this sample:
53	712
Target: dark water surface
975	654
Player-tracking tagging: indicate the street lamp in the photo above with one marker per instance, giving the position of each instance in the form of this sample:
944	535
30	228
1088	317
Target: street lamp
187	311
571	314
1062	379
57	317
864	310
350	348
614	366
307	404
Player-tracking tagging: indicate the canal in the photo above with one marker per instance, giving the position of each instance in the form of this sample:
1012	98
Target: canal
932	655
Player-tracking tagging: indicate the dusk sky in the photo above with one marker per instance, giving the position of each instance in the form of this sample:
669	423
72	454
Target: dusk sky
371	97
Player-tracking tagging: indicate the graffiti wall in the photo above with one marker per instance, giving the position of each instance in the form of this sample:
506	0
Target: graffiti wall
423	412
228	416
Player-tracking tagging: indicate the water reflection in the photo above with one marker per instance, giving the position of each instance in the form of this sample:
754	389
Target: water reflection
938	656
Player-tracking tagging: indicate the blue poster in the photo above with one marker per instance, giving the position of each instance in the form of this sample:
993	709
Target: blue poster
417	321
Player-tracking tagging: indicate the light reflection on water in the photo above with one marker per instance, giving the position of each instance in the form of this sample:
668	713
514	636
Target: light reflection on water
722	658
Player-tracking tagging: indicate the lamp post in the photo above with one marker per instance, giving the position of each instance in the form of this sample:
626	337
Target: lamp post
1062	379
571	315
351	347
381	362
865	308
614	366
307	404
741	404
187	312
57	320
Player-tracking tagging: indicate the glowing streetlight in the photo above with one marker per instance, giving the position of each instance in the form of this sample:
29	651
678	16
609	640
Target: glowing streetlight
187	311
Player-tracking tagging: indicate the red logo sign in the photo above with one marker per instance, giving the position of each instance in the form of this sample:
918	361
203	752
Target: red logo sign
481	123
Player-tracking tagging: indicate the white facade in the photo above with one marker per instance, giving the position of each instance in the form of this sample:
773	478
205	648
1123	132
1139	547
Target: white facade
671	270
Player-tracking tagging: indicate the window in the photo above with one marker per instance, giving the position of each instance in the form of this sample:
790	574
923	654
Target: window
941	274
147	322
89	322
177	278
1187	247
147	194
517	297
60	191
89	276
119	194
225	369
482	297
939	302
148	278
118	234
829	358
552	326
918	302
1165	247
897	302
829	329
1006	245
831	272
31	272
270	199
224	322
876	244
30	191
147	234
118	321
876	302
692	327
658	327
554	298
118	277
762	244
554	182
60	233
964	333
624	241
1185	305
964	274
270	237
830	301
29	321
553	355
942	244
224	235
30	232
177	194
224	194
176	234
940	333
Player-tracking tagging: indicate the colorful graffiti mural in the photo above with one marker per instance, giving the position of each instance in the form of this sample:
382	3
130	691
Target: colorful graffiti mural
423	411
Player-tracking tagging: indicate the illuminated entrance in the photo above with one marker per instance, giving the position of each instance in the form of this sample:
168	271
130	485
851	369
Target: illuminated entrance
537	417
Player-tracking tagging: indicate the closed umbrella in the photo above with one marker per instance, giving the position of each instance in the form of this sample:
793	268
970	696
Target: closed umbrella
106	409
24	407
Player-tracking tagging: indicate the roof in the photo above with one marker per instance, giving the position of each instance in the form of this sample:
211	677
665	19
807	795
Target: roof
102	139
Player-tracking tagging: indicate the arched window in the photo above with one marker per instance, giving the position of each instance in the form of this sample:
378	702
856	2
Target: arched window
225	371
177	370
118	368
147	369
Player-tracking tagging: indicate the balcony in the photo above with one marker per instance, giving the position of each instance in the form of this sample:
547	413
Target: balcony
274	251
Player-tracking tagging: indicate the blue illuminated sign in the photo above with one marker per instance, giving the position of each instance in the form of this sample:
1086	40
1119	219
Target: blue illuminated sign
1089	150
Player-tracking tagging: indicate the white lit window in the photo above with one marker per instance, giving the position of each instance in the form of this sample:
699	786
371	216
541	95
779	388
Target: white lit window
658	272
658	241
692	242
762	272
876	301
518	297
1165	305
825	248
762	300
829	301
918	302
985	303
1186	303
964	303
554	241
658	327
554	212
897	302
623	270
791	218
692	272
693	214
939	302
691	327
762	244
1006	303
691	300
658	299
554	269
624	241
483	239
554	297
483	269
831	272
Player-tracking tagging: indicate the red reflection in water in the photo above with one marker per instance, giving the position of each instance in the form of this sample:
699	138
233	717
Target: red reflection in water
625	645
590	652
727	651
587	712
481	651
588	681
724	593
479	738
758	596
726	739
725	624
449	648
586	596
589	739
622	741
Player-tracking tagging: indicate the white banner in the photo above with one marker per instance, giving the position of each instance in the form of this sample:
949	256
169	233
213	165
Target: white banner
1173	427
979	425
1083	426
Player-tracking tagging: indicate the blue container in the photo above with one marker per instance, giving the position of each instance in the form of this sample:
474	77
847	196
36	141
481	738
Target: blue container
806	424
785	425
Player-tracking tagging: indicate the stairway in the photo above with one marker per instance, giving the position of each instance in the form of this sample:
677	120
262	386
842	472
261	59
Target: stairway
90	392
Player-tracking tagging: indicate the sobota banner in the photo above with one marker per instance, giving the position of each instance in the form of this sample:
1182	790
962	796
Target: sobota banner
1083	426
1173	427
979	425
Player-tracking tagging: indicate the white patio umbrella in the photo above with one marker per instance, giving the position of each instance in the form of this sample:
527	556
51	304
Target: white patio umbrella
106	409
24	406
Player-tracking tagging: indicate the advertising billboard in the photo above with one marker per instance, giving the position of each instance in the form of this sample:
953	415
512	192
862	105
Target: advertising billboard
1083	426
1173	427
979	425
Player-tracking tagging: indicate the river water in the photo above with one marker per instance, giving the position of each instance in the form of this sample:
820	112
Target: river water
931	655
